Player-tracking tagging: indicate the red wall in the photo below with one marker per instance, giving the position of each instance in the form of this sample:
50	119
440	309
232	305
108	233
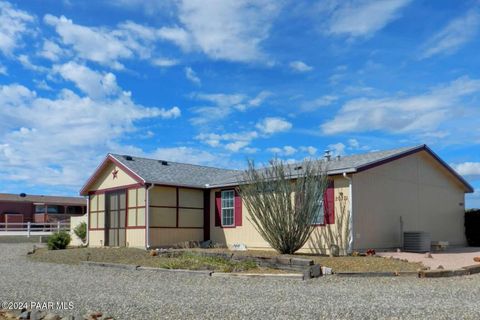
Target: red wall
26	208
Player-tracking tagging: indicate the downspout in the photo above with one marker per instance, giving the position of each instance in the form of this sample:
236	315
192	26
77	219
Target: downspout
147	218
88	220
350	218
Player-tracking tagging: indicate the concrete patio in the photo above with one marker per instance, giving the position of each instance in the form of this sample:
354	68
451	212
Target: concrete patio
452	258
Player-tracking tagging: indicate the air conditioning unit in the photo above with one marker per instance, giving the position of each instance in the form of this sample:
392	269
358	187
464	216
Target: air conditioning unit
416	241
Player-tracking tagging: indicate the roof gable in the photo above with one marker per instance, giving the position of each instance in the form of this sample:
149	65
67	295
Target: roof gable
108	174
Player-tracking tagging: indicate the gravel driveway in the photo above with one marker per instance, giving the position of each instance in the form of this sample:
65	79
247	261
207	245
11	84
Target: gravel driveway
149	295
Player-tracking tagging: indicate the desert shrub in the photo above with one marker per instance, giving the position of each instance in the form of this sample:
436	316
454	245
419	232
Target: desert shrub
472	227
58	240
81	231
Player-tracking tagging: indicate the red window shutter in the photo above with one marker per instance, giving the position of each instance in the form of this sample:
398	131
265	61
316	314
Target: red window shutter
218	209
238	210
329	203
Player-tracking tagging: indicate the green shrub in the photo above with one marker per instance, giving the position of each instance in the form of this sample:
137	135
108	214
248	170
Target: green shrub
58	240
81	231
472	227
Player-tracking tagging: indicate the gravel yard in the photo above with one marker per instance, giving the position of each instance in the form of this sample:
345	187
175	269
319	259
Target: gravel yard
149	295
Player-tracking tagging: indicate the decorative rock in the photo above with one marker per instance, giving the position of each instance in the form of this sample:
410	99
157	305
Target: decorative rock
301	262
476	259
206	244
399	250
440	267
239	247
94	315
37	315
326	271
51	316
428	255
153	253
24	315
283	260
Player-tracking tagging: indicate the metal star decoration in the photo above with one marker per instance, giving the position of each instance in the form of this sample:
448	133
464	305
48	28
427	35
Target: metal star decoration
115	173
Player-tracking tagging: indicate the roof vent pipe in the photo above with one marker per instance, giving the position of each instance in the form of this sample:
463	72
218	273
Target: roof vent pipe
338	157
327	155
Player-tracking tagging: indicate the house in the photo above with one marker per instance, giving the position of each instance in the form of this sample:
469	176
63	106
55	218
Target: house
16	209
149	203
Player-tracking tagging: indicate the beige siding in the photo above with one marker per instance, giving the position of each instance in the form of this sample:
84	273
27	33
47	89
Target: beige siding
105	179
136	238
416	188
190	218
136	207
190	198
96	238
248	235
74	222
136	197
163	196
160	237
163	215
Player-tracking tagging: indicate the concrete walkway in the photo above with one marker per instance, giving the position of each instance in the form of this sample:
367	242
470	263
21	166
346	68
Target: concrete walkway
452	258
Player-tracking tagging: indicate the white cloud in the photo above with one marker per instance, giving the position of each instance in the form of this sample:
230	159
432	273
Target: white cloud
417	113
222	105
186	155
27	64
273	125
356	18
52	51
192	76
233	142
14	24
468	169
323	101
338	149
458	32
224	29
300	66
106	46
59	138
165	62
3	70
353	143
309	149
284	151
93	83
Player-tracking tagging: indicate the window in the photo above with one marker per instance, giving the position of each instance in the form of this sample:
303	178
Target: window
320	216
39	209
54	209
228	207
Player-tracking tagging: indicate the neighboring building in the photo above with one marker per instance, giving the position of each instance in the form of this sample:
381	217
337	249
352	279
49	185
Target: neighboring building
150	203
22	208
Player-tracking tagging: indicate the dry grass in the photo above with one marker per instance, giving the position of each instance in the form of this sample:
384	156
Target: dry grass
195	262
342	264
141	257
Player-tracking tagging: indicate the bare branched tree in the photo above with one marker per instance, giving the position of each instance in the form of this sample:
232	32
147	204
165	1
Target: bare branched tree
283	201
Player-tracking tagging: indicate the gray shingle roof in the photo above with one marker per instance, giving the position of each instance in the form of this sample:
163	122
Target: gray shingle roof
174	173
339	165
182	174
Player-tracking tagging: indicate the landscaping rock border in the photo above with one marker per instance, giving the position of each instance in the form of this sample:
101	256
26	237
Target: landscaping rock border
297	265
441	273
312	272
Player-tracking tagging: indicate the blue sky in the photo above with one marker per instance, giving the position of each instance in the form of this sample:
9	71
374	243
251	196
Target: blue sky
217	82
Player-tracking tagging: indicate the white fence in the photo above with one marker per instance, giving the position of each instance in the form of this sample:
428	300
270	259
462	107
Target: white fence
30	228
